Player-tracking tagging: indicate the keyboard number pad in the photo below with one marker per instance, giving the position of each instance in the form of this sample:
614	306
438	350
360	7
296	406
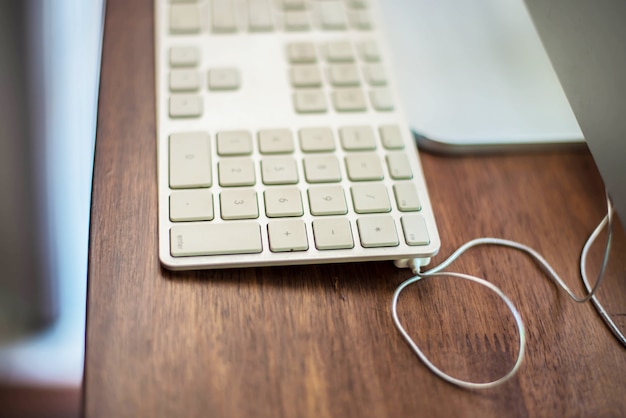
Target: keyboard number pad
286	197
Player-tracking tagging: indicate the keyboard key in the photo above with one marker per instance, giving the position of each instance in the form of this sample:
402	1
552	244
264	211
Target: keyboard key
332	234
381	99
239	204
370	198
406	197
279	170
282	202
357	4
189	160
357	138
369	51
322	169
301	53
224	79
364	167
235	172
184	80
415	231
260	16
234	143
306	76
296	20
289	235
377	231
361	20
327	200
332	15
316	140
184	56
342	75
398	165
185	106
214	239
191	205
293	4
391	137
223	18
375	74
184	18
275	141
349	100
339	52
309	101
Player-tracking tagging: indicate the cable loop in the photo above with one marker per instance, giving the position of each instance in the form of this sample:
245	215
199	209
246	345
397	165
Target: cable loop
462	383
551	273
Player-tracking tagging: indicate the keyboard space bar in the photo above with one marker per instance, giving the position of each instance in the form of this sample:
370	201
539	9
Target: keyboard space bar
214	239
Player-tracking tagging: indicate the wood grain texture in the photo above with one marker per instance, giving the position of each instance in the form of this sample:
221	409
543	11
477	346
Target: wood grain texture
318	341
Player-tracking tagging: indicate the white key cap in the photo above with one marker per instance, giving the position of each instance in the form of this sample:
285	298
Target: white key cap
361	19
224	79
223	18
214	239
184	80
239	204
332	15
279	170
375	74
332	234
306	76
234	143
297	20
301	53
369	51
381	99
184	56
185	106
191	205
189	160
340	51
415	231
357	4
288	235
309	101
236	172
406	197
377	231
357	138
184	18
398	165
364	167
293	4
370	198
282	202
327	200
322	169
275	141
316	140
391	137
260	16
342	75
349	100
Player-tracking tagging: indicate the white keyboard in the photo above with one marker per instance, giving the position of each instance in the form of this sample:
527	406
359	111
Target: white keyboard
280	137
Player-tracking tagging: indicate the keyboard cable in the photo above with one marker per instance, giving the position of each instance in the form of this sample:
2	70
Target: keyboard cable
437	271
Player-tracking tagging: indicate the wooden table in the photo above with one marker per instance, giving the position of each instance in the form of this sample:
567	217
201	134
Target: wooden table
318	341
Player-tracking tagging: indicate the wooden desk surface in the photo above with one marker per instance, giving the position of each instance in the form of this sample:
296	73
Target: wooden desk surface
318	341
